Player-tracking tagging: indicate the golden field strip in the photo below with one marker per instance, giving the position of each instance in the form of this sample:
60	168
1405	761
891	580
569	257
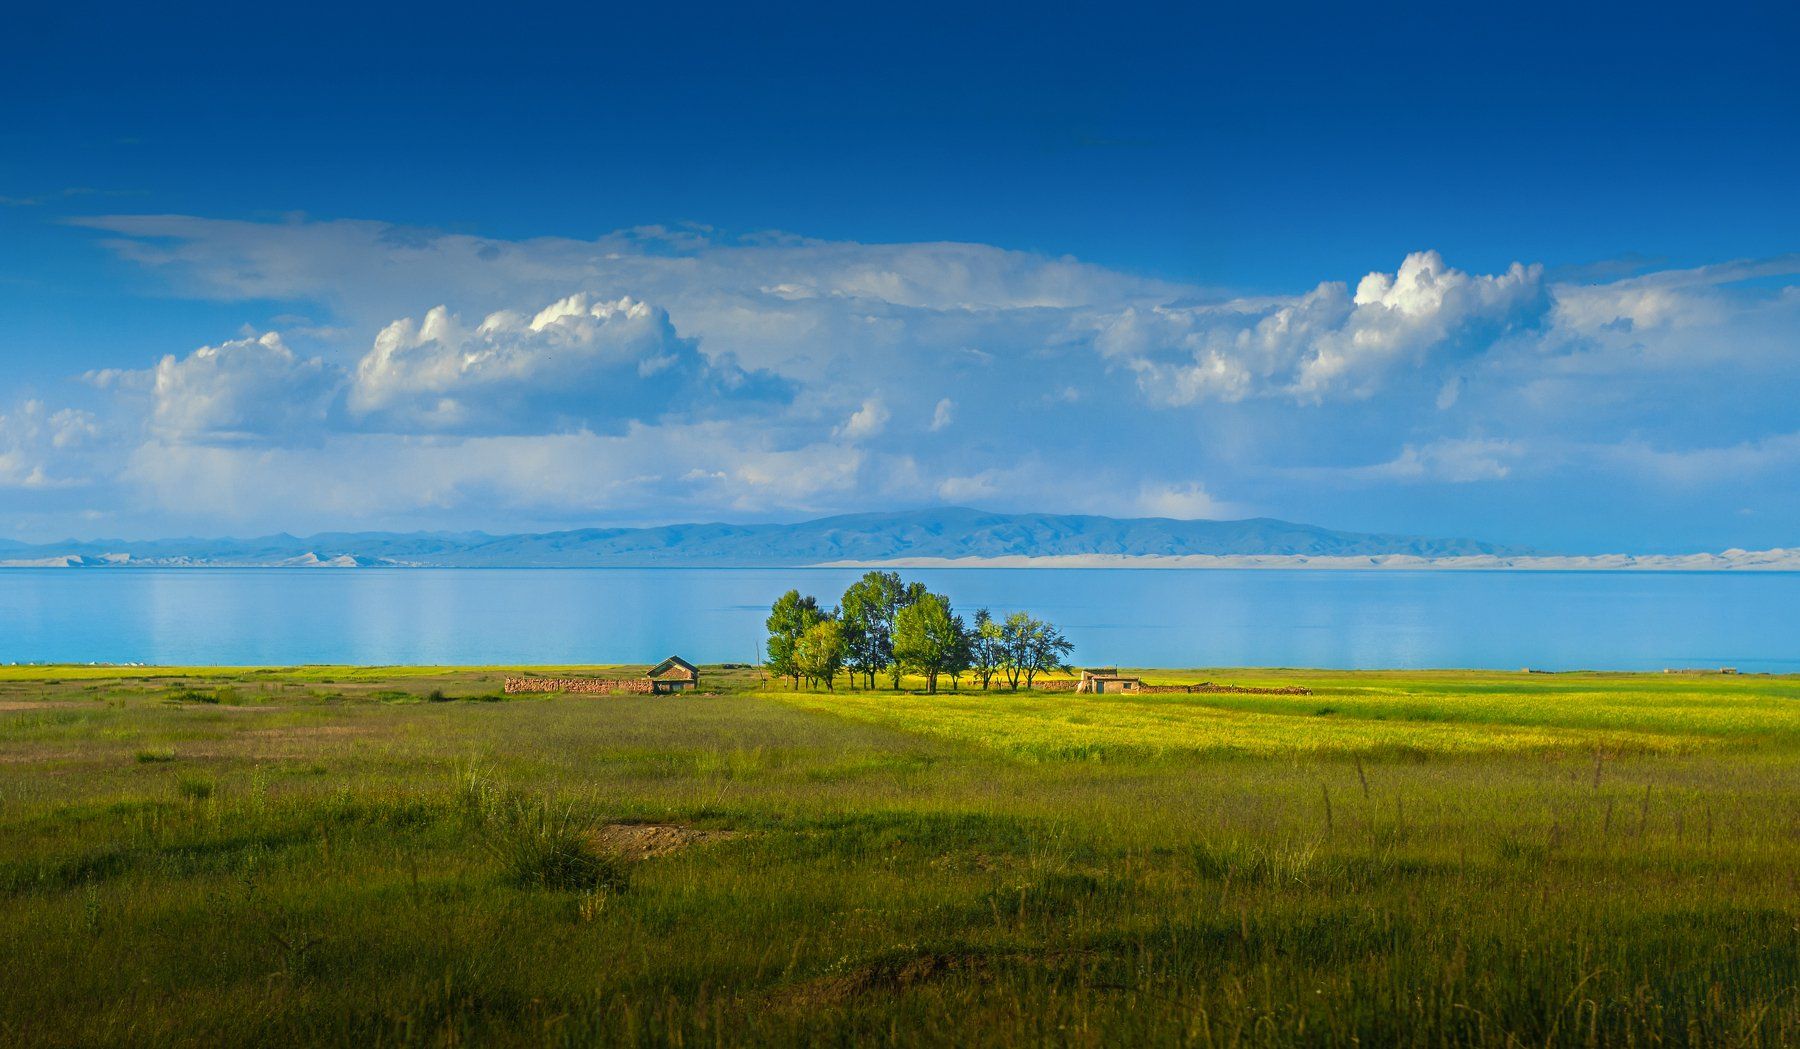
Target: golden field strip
363	856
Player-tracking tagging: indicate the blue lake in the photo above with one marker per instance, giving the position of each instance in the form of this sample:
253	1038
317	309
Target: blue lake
1553	620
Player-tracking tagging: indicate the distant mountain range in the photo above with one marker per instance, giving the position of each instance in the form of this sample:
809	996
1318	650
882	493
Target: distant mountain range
953	537
947	534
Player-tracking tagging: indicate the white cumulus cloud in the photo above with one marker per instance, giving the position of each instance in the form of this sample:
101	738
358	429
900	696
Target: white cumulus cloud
244	389
867	421
1324	344
578	361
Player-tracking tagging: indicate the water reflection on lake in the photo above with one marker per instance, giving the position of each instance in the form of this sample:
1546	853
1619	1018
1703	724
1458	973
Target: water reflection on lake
1504	620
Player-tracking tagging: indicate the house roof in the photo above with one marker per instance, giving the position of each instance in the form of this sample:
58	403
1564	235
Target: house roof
670	664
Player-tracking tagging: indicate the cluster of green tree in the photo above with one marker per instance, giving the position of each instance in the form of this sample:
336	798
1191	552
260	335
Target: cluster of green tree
885	627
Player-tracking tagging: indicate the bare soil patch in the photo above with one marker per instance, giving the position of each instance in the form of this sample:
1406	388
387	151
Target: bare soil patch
642	841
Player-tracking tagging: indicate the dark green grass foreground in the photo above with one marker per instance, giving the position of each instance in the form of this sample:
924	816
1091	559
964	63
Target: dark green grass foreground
325	856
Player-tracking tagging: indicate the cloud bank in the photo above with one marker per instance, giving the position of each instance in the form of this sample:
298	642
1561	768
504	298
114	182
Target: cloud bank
659	373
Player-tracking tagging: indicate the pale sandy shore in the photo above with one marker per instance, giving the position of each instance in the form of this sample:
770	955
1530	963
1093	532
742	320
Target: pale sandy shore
1778	560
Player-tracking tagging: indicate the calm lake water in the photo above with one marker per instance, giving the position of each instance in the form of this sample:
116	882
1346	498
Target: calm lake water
1553	620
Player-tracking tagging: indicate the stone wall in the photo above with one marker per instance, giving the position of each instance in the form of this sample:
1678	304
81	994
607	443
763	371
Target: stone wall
589	685
1069	685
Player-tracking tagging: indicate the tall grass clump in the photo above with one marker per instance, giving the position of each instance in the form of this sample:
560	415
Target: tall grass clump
194	788
540	843
1264	863
543	845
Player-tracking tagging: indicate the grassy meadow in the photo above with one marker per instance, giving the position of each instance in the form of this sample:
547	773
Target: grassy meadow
381	856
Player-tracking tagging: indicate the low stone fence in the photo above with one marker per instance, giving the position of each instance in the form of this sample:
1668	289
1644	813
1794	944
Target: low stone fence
1242	690
1069	685
590	685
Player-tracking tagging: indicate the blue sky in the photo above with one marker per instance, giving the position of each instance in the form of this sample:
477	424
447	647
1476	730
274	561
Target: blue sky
1526	273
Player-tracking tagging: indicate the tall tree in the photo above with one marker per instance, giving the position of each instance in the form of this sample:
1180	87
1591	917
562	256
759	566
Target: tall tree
819	654
908	595
930	639
869	635
984	647
851	634
1015	647
1029	647
870	606
789	619
963	658
1047	651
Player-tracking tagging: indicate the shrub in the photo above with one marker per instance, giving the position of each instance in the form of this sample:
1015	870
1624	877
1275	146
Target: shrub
437	696
192	695
146	757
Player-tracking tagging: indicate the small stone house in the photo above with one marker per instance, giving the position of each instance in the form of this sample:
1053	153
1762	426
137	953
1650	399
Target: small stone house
1102	680
673	674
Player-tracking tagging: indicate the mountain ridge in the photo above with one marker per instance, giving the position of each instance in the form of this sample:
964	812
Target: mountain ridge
951	533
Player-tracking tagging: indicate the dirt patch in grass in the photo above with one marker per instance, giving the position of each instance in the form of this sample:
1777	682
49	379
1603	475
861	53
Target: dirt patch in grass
642	841
8	706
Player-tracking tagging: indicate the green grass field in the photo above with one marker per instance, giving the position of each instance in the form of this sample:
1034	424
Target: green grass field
327	855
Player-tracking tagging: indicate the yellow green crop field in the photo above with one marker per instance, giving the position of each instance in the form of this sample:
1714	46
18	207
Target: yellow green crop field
1332	721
